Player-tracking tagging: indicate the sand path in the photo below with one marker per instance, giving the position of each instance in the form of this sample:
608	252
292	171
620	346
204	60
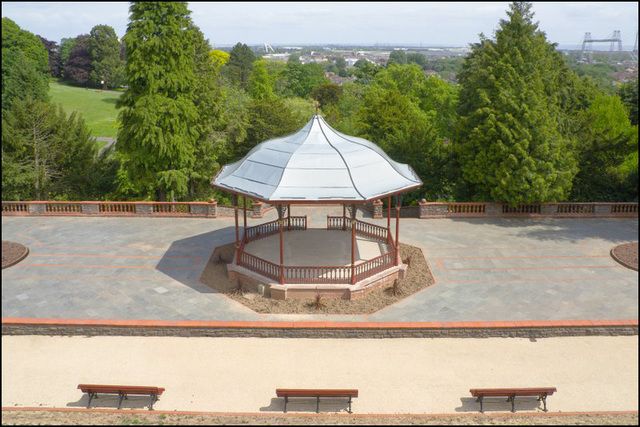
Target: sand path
393	375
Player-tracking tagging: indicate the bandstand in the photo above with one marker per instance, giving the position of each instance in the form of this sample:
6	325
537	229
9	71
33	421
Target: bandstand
317	165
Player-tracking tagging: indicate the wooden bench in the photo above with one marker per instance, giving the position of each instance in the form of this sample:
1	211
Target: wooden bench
122	391
317	393
511	393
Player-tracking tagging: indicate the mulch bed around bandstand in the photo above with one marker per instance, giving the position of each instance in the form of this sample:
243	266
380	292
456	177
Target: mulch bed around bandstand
418	276
13	253
626	254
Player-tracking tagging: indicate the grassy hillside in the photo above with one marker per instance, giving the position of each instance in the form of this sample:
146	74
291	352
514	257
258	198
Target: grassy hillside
97	107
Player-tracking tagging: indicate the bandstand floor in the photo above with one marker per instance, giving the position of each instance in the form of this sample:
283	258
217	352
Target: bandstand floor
316	247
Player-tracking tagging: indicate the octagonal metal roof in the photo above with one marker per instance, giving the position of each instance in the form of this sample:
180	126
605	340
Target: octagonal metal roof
315	164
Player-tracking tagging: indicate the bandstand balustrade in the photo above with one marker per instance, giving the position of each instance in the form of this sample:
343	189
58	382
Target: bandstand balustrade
318	274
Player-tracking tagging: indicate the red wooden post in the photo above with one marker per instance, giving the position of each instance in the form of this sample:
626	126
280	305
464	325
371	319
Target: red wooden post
281	226
244	230
397	232
289	217
235	211
344	217
353	244
389	216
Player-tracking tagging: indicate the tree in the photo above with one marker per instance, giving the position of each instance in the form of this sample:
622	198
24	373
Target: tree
218	57
240	65
508	138
25	65
397	57
607	142
16	39
327	94
104	47
158	114
53	51
628	92
261	85
66	46
45	153
407	134
208	101
20	79
303	78
78	67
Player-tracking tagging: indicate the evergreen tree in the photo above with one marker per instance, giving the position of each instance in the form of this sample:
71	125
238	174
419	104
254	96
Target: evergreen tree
240	65
509	140
45	153
158	114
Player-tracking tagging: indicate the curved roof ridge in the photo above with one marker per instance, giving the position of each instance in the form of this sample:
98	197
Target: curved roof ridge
373	148
284	168
341	156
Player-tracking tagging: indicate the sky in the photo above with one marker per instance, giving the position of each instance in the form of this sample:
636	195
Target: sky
364	23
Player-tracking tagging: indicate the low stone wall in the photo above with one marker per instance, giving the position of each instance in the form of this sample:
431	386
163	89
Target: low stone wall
160	209
492	210
257	210
542	329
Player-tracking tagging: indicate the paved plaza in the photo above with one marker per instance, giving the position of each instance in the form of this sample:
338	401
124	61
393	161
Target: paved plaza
485	269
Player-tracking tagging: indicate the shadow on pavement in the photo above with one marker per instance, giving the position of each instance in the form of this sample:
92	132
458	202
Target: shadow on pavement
571	230
186	258
306	405
469	404
111	402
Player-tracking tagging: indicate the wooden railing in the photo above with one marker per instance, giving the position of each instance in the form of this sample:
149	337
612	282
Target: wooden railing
375	265
266	229
260	266
317	274
365	229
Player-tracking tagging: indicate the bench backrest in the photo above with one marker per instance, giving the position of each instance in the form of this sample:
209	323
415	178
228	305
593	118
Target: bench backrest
281	392
534	391
127	389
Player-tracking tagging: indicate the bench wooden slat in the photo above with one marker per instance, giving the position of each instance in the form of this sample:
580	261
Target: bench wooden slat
317	393
121	390
512	393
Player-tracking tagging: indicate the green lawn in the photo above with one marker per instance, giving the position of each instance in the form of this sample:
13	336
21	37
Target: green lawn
97	107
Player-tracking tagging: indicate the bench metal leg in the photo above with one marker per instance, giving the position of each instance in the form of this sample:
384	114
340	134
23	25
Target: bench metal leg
479	399
91	396
286	399
350	404
544	401
122	396
513	403
317	404
153	400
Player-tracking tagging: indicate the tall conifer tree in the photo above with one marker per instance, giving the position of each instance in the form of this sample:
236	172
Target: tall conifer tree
509	138
158	115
